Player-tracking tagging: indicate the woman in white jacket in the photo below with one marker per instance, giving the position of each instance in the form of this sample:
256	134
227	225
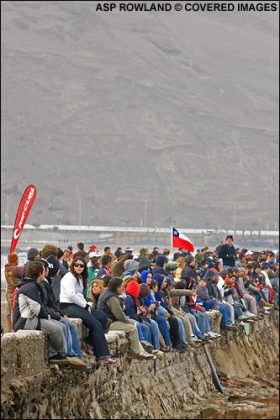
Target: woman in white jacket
74	305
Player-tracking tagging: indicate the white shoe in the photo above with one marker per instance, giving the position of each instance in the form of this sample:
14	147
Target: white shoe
145	355
158	353
249	314
214	334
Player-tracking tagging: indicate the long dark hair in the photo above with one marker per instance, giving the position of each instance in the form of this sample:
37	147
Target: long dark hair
84	274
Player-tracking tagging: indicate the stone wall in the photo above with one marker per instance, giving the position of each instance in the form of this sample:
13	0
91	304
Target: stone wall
131	388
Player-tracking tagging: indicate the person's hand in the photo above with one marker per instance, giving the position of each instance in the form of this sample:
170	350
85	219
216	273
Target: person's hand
152	306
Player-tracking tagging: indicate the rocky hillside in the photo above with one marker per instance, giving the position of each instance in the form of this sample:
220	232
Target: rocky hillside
140	118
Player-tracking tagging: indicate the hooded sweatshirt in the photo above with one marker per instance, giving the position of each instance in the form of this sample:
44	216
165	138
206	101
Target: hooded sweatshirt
132	293
160	261
13	274
144	275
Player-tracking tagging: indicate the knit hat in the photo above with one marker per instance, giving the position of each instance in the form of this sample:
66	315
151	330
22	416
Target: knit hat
161	259
32	253
12	258
131	265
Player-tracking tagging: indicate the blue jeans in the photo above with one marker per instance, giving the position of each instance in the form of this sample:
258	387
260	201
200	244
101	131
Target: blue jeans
226	318
237	310
202	322
143	332
153	327
72	338
163	327
182	332
100	315
96	337
213	303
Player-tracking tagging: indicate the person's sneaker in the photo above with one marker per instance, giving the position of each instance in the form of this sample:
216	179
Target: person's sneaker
165	349
206	337
145	355
197	340
107	360
76	363
180	348
212	334
250	314
59	360
230	327
243	317
267	311
159	354
148	347
266	304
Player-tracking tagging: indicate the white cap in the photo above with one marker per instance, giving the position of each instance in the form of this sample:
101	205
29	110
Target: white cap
249	253
94	254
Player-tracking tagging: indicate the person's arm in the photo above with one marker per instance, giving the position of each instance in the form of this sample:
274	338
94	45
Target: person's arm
223	252
116	309
72	295
130	308
34	307
180	292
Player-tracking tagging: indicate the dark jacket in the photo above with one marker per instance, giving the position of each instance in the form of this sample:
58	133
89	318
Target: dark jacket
110	303
130	308
49	301
228	255
188	271
214	291
29	305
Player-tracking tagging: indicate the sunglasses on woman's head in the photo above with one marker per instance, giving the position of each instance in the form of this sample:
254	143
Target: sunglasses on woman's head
79	265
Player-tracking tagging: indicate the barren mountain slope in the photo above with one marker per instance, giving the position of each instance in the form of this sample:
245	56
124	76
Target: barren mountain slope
102	111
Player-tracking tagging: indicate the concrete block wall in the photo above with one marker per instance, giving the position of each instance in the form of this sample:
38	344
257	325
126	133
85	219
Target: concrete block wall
131	388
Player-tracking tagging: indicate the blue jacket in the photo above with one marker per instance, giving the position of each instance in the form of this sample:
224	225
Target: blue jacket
130	307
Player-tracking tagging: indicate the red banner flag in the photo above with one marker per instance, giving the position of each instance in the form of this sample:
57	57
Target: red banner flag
26	202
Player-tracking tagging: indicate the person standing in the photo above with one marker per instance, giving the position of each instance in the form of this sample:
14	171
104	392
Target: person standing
13	274
228	253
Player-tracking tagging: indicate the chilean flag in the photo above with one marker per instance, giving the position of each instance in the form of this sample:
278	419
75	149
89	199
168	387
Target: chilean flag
179	240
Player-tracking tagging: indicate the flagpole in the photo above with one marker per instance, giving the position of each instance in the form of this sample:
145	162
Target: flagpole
171	236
